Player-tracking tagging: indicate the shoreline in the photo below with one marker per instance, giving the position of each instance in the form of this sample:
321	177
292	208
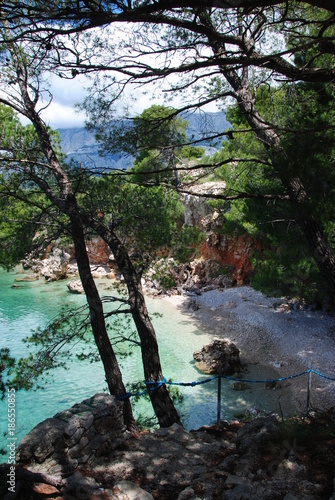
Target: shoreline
274	340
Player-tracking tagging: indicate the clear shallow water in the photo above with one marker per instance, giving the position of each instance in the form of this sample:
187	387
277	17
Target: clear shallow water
34	304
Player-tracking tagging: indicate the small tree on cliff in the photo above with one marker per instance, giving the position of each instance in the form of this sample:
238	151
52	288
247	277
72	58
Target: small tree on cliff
155	138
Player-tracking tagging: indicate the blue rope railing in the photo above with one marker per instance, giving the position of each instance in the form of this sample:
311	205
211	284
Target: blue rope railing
142	393
154	385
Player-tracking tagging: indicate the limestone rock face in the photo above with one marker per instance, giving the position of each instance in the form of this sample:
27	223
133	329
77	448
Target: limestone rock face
220	356
196	209
54	268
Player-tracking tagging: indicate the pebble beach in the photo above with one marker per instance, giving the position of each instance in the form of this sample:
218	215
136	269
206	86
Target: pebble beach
275	338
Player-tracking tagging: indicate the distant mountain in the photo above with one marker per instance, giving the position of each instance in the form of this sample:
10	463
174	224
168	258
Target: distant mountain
206	125
80	145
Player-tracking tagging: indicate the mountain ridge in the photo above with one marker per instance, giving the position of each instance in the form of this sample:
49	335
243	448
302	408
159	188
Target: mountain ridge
80	145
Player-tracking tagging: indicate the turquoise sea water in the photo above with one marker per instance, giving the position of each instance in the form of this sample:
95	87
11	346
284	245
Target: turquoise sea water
29	305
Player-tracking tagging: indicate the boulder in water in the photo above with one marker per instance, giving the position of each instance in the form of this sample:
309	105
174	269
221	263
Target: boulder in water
220	356
75	286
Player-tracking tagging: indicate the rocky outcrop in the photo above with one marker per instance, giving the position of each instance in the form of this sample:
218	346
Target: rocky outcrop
53	268
172	277
196	207
220	356
245	461
100	271
58	265
231	253
87	431
221	260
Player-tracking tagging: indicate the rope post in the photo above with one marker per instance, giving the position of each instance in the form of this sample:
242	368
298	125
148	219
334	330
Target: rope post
218	411
309	386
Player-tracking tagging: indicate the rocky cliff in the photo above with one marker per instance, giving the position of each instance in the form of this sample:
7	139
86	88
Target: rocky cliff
219	261
232	254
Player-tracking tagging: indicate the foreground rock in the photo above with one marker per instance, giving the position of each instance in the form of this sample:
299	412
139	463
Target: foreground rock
220	356
86	431
85	452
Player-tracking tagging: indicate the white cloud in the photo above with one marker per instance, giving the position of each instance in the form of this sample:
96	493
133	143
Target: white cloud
61	112
59	115
66	94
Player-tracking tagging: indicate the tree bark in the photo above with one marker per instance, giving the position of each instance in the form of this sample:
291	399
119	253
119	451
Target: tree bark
162	404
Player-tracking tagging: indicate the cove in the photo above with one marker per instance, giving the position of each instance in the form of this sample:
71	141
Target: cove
30	305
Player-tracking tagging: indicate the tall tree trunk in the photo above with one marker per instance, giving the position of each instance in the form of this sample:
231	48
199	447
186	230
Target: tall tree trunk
162	404
310	227
108	358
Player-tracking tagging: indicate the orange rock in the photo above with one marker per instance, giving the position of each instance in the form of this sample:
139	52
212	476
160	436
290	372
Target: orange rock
45	489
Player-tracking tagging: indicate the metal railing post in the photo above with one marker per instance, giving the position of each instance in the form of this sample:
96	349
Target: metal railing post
309	386
218	412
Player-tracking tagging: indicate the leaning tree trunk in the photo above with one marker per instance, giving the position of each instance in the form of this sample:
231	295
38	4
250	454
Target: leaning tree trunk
108	358
162	404
310	227
66	202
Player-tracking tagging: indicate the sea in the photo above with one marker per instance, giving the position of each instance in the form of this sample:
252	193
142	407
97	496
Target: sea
26	306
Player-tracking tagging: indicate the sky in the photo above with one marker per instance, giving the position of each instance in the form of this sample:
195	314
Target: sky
62	111
66	94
